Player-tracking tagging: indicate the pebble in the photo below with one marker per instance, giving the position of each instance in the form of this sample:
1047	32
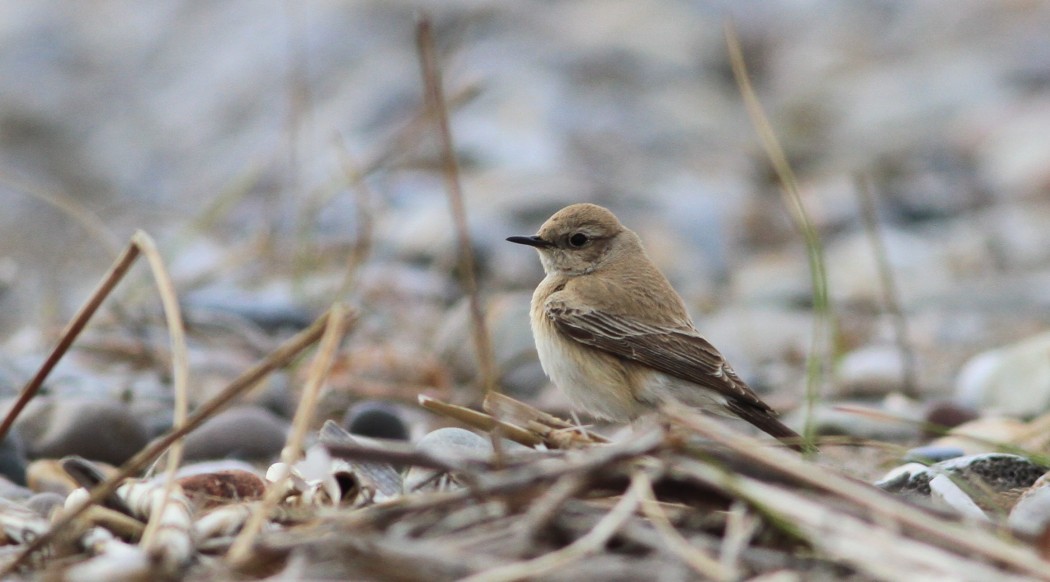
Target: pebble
47	475
1013	380
376	419
453	446
947	414
1031	514
96	429
932	454
45	502
243	432
874	370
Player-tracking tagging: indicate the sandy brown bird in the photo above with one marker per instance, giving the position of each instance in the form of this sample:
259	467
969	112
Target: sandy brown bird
614	335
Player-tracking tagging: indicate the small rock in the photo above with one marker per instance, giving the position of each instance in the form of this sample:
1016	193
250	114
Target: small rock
453	446
47	475
376	419
243	432
13	458
932	454
1031	515
874	370
99	430
46	502
1013	380
947	414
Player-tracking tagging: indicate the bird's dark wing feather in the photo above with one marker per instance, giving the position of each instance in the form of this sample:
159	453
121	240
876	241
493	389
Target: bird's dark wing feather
678	351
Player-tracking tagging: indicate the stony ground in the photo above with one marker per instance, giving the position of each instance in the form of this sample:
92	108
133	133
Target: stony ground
275	152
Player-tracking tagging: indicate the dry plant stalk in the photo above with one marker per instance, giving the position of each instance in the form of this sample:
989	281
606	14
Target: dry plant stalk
592	542
180	372
282	356
363	194
436	105
69	334
700	562
817	361
945	533
556	432
241	550
481	421
890	290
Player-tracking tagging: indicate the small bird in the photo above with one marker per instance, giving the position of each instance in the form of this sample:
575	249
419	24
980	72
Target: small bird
614	335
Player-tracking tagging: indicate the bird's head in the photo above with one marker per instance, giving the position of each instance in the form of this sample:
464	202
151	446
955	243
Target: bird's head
579	239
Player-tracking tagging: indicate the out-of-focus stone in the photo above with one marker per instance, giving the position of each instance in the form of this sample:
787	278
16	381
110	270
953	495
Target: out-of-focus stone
1013	380
983	435
47	475
948	414
242	432
932	454
454	446
376	419
1031	514
46	502
96	429
874	370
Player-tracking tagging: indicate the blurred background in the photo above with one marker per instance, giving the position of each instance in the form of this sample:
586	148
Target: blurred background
275	151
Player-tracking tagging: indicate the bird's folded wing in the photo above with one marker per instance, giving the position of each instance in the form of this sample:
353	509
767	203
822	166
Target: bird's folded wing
678	351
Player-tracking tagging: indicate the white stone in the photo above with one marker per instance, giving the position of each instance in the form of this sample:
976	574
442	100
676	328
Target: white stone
1013	380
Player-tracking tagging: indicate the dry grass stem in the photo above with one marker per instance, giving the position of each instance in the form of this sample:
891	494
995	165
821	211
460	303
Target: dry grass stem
820	352
179	363
481	421
700	562
241	550
280	357
69	334
944	532
592	542
890	290
435	100
69	206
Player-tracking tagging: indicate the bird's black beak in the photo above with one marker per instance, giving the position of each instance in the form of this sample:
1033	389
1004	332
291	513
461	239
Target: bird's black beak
532	241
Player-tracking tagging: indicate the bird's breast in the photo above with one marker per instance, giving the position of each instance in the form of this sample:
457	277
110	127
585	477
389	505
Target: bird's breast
596	382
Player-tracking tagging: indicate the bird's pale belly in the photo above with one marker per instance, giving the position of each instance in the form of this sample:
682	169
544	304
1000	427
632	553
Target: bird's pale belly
595	382
608	387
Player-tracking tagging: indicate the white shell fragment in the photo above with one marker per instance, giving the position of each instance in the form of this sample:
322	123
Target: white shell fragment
945	493
173	545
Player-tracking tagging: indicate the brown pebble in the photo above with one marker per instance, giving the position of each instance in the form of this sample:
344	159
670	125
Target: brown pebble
948	414
221	487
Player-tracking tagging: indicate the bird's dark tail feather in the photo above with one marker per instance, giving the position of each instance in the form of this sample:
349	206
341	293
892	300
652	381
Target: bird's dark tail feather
765	420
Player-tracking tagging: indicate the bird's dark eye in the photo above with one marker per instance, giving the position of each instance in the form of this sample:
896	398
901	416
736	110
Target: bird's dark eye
578	240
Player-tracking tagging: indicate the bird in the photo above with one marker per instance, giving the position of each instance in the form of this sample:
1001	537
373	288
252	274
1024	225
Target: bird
613	334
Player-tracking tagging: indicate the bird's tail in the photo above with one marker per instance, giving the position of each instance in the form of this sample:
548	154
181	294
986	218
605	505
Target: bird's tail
766	421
